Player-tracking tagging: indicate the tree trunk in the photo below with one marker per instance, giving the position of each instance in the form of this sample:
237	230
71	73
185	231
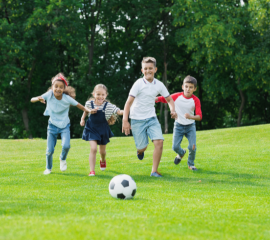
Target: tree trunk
241	106
26	122
160	111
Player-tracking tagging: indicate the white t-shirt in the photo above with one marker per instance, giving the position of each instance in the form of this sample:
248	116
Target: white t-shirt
145	93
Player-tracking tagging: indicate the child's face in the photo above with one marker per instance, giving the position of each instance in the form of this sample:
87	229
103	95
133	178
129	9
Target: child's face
100	95
149	70
58	88
188	89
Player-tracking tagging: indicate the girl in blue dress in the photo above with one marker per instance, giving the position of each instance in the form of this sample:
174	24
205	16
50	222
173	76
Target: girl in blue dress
97	130
59	98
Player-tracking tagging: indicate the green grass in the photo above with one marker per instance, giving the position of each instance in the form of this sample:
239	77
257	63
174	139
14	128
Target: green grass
228	198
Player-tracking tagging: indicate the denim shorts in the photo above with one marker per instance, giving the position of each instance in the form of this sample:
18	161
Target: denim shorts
142	129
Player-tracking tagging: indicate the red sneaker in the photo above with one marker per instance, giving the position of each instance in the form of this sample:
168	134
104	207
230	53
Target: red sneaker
92	173
102	165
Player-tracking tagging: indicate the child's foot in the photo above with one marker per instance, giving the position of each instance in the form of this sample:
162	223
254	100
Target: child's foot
155	174
92	173
140	156
47	171
102	165
178	159
63	165
193	168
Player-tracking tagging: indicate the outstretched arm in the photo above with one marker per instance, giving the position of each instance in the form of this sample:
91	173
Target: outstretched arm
196	117
120	112
126	126
171	106
80	106
38	99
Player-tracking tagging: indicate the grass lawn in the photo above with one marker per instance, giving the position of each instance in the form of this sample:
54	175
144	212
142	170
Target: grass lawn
228	198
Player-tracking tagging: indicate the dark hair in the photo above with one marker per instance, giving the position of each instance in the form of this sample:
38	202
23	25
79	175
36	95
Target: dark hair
114	117
190	79
149	60
68	90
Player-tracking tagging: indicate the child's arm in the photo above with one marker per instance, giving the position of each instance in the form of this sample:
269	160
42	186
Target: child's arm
126	126
120	112
85	109
170	101
196	117
82	123
38	99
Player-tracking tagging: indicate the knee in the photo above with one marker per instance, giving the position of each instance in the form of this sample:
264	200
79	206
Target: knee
94	150
159	144
49	152
192	148
66	147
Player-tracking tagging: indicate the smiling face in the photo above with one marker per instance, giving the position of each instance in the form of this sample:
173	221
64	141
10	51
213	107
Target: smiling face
100	95
188	89
58	89
149	70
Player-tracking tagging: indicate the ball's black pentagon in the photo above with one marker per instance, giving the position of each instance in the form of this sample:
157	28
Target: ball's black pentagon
121	195
133	193
112	185
125	183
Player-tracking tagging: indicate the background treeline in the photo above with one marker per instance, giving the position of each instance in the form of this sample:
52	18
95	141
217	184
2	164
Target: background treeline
224	44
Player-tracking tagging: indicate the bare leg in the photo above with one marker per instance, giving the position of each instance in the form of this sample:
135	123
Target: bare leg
140	151
92	155
102	152
157	154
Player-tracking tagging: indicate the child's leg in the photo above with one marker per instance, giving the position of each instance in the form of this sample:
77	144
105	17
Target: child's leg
157	154
102	152
92	155
191	136
178	133
65	136
51	142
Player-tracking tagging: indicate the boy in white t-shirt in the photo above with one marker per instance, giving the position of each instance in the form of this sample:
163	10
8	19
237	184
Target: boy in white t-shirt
184	125
141	105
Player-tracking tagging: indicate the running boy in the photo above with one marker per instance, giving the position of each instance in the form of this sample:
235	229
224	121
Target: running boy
140	104
184	125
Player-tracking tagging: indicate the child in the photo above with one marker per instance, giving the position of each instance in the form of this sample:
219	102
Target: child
184	125
59	98
97	130
144	122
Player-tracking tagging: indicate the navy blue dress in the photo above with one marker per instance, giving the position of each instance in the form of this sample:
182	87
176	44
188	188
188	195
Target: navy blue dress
97	127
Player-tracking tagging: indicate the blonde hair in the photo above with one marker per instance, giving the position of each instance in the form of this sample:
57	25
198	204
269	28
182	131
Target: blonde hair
149	60
68	90
114	117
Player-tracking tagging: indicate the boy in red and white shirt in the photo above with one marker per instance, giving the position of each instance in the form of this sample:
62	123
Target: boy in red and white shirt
185	105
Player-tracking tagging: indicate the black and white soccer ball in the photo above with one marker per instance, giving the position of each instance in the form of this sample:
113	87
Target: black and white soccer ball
122	186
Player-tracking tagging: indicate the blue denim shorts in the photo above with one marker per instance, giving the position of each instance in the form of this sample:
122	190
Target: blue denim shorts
142	129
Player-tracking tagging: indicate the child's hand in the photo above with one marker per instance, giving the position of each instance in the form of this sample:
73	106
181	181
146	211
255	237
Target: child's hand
41	99
187	116
126	127
93	111
82	122
173	115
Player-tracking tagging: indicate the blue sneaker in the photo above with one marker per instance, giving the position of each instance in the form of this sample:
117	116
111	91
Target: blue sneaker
155	174
140	156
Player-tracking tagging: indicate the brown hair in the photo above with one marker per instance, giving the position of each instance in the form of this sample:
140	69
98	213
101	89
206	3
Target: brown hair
68	90
114	117
190	79
149	60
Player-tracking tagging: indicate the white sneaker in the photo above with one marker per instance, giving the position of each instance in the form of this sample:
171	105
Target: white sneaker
47	171
63	165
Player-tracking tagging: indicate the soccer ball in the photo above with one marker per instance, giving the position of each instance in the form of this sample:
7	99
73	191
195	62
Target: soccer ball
122	186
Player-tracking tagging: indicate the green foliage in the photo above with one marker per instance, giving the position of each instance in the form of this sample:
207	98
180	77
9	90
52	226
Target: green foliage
227	198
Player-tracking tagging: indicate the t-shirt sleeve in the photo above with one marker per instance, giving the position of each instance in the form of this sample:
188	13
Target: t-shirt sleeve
113	109
88	104
135	89
72	101
163	91
198	110
46	95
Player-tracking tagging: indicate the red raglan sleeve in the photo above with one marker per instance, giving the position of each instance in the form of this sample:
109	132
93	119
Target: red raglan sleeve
198	110
174	97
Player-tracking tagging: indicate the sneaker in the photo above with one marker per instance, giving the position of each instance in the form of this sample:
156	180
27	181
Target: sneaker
140	156
63	165
178	159
92	173
193	168
102	165
47	171
155	174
